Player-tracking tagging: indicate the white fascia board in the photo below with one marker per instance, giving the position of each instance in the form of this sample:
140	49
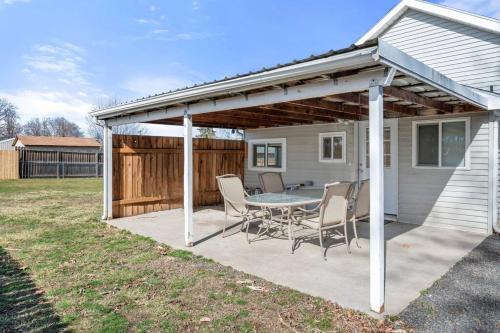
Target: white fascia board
277	76
392	56
470	19
351	83
493	98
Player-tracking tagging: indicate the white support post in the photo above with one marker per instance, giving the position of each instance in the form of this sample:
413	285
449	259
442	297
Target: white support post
188	180
493	173
107	173
377	241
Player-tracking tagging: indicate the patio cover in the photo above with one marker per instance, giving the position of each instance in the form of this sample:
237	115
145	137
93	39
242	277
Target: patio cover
367	81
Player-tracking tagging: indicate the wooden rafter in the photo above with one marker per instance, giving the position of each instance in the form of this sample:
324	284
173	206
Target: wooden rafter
338	110
412	97
362	100
300	112
274	115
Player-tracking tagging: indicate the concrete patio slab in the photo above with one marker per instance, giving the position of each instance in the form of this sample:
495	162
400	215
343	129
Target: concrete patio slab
416	256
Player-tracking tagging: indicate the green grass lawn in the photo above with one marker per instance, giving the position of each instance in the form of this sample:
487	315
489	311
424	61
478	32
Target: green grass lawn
61	268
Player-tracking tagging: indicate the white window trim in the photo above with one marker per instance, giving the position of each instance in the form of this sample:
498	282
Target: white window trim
251	143
320	146
440	122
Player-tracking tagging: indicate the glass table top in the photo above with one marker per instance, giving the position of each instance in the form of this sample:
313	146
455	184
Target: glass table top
288	198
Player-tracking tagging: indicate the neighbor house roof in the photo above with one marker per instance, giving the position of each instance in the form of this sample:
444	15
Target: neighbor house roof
460	16
28	140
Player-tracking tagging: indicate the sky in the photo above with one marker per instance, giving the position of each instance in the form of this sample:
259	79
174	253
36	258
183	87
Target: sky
62	58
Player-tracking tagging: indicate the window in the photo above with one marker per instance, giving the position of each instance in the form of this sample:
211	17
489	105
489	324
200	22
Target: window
387	147
267	154
332	147
441	143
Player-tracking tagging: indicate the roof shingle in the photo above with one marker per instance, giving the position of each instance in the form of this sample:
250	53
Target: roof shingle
28	140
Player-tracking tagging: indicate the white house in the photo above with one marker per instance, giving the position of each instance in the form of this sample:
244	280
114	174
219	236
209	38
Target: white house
425	80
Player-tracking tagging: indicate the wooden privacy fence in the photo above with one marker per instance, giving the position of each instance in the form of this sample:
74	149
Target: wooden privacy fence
59	164
148	172
9	164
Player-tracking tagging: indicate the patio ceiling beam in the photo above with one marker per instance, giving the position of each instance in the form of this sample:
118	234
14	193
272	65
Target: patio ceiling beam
356	82
412	97
334	108
276	116
245	116
235	122
364	101
198	123
300	112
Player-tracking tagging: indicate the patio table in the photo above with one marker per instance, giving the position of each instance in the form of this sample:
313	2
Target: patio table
284	200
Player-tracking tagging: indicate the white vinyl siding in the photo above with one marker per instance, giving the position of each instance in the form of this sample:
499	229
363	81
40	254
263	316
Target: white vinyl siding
467	55
302	154
449	198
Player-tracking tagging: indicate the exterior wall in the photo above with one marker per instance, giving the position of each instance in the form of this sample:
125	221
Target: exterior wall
446	198
456	199
303	154
7	144
465	54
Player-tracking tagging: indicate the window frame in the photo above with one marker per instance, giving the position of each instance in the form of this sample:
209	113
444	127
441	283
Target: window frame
266	142
440	122
332	135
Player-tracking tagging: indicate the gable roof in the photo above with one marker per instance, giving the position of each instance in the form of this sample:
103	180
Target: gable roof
28	140
452	14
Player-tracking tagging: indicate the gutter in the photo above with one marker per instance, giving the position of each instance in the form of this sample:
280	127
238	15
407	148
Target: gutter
277	76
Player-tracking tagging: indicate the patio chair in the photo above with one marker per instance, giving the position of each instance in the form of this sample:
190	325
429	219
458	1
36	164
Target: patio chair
333	210
234	195
271	182
361	206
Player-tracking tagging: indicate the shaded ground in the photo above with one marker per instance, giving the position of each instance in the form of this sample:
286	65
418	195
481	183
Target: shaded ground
97	278
22	305
466	299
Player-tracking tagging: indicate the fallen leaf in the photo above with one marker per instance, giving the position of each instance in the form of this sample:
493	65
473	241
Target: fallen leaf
205	320
247	281
257	288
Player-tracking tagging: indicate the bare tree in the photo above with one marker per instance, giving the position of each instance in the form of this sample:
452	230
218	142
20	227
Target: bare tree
37	127
206	133
234	134
9	124
95	129
58	126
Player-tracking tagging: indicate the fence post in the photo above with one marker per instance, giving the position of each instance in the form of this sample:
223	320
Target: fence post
97	165
62	165
58	160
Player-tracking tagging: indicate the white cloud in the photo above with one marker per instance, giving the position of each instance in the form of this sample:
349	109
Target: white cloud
159	31
147	21
196	5
489	8
184	36
63	60
153	8
148	85
12	2
37	103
